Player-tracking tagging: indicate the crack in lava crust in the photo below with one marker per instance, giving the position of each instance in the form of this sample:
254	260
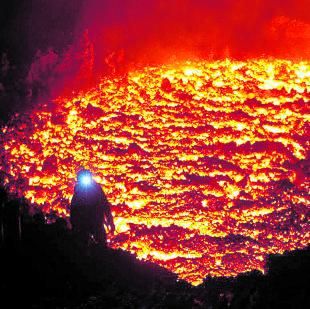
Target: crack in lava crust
205	164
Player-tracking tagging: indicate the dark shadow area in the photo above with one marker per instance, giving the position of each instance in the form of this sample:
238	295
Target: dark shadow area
33	36
44	266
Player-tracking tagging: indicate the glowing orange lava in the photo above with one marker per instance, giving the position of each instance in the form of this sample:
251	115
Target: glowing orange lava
205	164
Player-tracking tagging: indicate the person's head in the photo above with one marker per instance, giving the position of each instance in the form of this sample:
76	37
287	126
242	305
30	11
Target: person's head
84	177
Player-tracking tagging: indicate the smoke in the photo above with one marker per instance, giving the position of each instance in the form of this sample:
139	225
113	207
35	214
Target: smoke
161	30
56	46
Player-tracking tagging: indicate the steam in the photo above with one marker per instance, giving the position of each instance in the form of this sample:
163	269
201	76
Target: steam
71	45
112	37
157	31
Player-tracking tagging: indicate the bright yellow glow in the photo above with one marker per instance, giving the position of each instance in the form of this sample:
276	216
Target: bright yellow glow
197	171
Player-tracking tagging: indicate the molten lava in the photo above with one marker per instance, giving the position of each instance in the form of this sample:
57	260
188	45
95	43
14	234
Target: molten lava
206	164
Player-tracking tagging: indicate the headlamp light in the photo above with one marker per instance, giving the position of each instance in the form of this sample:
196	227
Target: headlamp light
86	180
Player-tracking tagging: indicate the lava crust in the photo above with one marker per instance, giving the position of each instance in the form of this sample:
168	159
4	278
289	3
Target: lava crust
206	164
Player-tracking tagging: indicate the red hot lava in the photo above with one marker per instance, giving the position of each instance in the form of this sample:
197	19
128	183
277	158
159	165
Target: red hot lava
205	163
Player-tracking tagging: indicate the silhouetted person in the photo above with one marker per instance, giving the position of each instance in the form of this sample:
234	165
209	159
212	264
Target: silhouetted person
90	209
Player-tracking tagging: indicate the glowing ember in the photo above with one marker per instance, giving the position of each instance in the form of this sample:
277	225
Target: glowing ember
206	164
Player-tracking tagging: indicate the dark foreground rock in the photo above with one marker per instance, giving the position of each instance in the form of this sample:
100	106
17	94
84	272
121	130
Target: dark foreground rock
44	266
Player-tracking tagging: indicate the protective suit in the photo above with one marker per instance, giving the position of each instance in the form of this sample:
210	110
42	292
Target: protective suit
90	209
